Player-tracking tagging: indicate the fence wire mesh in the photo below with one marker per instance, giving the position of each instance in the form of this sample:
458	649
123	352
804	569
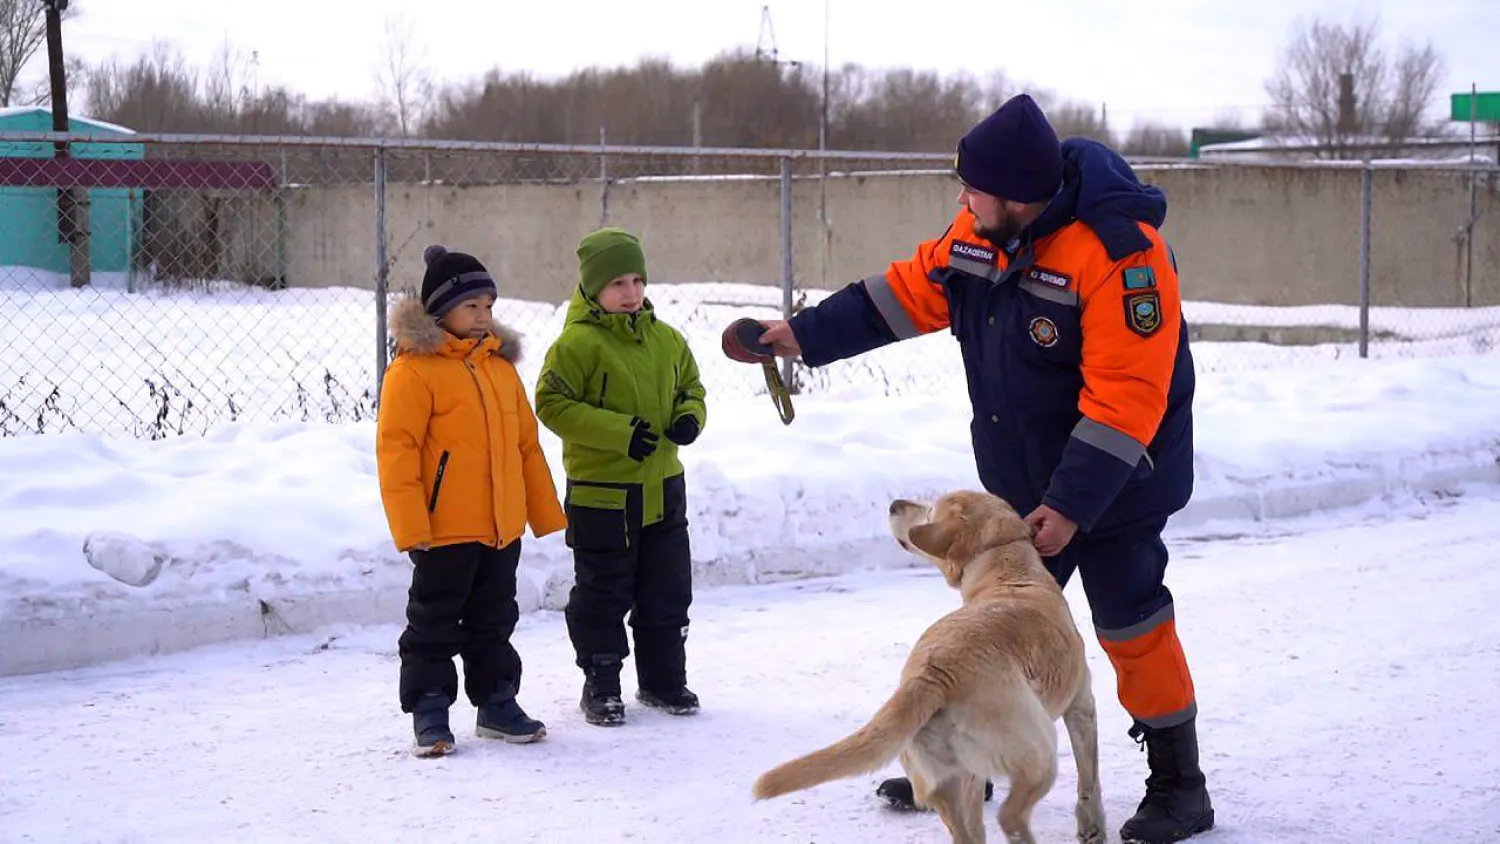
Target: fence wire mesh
156	301
152	286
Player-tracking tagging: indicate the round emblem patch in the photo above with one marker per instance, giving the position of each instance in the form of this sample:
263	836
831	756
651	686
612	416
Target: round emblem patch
1043	332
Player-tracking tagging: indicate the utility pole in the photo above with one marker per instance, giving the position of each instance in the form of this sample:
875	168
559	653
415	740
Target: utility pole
823	120
823	222
72	202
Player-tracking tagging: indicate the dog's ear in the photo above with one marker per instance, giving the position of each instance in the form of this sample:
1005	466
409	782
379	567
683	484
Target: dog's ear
935	538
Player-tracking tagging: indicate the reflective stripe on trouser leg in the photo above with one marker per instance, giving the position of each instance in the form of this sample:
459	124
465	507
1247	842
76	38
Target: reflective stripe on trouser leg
1151	670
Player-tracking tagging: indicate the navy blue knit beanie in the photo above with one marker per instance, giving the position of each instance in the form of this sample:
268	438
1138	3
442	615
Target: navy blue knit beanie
1012	154
452	277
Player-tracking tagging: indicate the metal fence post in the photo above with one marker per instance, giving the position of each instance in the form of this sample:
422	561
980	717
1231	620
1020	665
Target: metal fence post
382	272
283	185
1473	197
1365	178
787	272
603	180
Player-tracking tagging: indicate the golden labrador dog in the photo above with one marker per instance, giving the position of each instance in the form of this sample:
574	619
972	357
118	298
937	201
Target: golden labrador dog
983	686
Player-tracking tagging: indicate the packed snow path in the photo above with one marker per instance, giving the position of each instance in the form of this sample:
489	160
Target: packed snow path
1347	670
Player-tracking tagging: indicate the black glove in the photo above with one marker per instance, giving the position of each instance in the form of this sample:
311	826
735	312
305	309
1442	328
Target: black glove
684	430
642	441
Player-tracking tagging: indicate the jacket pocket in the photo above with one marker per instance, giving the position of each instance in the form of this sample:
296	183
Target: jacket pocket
437	481
597	518
1051	331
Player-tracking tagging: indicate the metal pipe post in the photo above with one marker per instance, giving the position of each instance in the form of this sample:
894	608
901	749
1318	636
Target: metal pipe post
786	259
382	272
1365	179
1473	196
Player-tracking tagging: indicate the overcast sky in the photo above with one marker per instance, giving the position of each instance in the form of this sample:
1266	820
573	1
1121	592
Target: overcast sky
1179	61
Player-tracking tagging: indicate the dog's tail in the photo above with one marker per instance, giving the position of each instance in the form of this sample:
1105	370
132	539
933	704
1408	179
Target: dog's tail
867	749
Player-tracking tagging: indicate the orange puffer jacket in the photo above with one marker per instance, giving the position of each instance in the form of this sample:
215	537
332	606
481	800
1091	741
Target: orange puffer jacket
456	439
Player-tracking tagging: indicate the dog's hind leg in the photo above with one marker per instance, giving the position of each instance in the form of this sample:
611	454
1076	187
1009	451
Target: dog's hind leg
959	801
1083	733
1029	758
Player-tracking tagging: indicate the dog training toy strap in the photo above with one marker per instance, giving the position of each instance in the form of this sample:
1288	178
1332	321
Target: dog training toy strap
741	342
780	396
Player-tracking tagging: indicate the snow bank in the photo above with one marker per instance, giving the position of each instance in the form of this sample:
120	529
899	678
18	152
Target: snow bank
115	547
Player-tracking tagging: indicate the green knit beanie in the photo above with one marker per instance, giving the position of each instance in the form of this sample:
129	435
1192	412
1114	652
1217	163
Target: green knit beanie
607	254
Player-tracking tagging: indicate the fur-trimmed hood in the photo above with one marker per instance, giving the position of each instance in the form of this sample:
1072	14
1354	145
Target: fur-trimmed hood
418	332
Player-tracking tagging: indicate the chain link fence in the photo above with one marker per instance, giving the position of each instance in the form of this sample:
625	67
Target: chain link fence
152	286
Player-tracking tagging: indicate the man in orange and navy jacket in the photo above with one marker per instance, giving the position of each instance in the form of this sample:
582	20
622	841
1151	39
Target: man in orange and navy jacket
1065	302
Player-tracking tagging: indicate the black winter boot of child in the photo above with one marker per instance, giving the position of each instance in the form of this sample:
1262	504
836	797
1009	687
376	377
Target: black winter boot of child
429	719
1176	805
675	702
502	718
898	795
601	702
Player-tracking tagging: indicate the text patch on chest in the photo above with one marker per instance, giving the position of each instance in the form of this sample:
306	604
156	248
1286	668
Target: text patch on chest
972	251
1051	278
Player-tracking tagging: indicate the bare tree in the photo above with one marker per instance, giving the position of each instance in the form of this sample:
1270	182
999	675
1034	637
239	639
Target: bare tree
228	89
157	93
1228	119
404	82
1389	95
75	77
905	109
1072	119
1149	138
1416	73
23	31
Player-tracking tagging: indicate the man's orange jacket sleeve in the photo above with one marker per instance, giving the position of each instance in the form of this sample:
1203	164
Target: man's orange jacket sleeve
903	302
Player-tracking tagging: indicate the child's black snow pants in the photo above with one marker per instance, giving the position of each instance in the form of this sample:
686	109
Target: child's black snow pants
621	566
462	602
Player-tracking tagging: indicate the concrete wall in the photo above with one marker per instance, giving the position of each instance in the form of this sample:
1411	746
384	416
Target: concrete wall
1290	236
1244	234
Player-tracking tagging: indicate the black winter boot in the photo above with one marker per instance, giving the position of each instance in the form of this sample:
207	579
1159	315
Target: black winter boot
1176	805
601	702
502	718
429	720
675	702
897	794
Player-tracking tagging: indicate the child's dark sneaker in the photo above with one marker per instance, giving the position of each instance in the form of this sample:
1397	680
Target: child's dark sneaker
676	702
502	718
430	723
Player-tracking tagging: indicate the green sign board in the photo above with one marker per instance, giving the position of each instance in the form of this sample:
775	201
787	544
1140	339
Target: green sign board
1203	136
1486	110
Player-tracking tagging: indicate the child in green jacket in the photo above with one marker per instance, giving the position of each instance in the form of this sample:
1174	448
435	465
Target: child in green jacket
620	388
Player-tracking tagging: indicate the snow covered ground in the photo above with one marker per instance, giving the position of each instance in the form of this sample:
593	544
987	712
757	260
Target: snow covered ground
1346	664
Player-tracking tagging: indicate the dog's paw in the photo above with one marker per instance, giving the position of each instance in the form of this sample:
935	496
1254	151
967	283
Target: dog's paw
1091	834
1091	823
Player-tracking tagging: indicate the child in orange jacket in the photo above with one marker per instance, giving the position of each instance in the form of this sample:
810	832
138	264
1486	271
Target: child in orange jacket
461	476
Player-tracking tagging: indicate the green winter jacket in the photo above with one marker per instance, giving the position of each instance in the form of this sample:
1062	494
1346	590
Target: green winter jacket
603	371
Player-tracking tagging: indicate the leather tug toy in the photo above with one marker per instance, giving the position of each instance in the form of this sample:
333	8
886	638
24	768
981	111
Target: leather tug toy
741	342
